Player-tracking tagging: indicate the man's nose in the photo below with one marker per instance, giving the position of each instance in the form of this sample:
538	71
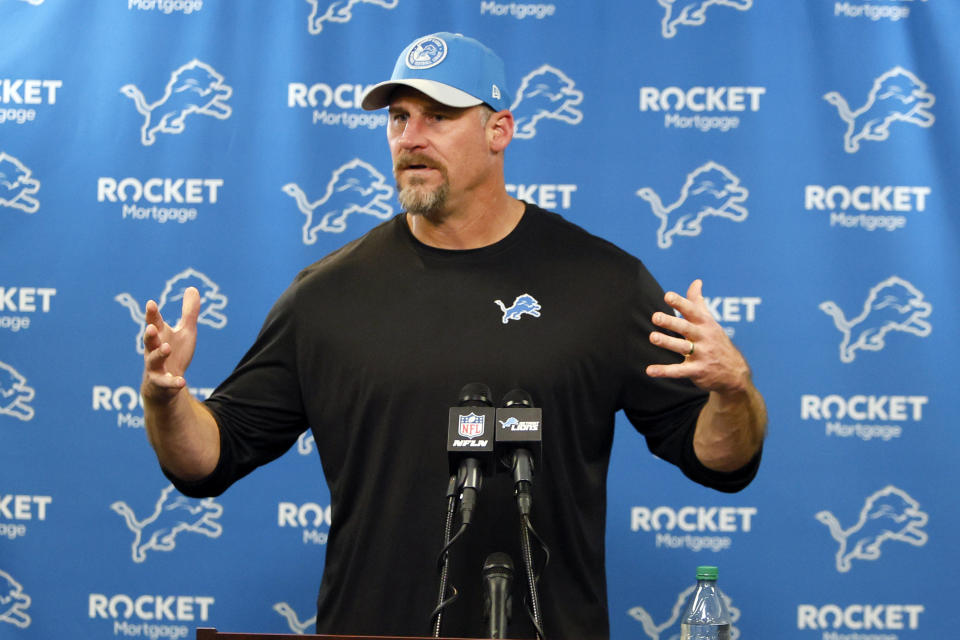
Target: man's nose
412	136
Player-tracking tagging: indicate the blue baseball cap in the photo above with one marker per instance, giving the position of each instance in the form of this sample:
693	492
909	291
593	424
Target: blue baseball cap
450	68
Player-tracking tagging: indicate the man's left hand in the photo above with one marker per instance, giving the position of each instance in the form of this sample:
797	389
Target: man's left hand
710	359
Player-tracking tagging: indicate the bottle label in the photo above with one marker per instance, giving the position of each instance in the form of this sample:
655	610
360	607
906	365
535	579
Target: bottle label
704	632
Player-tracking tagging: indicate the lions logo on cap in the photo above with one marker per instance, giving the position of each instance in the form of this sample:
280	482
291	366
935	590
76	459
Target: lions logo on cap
426	52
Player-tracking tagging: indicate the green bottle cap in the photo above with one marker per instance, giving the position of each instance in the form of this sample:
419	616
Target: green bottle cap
706	573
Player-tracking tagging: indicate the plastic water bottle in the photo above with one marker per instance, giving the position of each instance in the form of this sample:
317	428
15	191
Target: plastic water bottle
706	617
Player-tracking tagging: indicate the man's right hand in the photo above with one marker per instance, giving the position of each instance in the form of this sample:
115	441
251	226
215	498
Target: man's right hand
183	432
168	350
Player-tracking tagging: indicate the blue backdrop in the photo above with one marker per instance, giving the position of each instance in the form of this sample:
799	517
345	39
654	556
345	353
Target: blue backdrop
799	156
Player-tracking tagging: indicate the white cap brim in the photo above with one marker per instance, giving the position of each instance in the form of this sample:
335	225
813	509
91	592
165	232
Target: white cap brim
379	94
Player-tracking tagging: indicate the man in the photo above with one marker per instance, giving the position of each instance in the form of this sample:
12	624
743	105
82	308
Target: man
370	346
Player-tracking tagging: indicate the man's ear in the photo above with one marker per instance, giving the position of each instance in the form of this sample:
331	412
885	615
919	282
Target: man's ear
500	130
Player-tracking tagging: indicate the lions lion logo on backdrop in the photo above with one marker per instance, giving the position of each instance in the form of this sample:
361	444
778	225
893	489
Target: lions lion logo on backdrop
15	394
13	602
888	514
16	185
892	305
692	13
195	87
545	92
338	11
710	190
172	515
297	626
211	302
355	187
896	96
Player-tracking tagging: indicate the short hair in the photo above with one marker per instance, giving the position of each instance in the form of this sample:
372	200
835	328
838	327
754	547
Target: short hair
485	112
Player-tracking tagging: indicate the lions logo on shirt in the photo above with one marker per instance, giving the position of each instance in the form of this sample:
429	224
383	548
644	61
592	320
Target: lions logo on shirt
523	304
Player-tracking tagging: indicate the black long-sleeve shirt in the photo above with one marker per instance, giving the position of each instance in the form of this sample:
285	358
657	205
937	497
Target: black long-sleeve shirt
370	346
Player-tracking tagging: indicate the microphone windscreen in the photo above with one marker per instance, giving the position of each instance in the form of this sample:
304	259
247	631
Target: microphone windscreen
517	398
475	394
498	564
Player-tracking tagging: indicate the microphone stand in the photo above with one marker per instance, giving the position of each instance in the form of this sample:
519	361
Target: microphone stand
444	559
525	548
464	485
523	471
465	481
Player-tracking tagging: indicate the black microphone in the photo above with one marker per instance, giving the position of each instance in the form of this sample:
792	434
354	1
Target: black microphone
497	602
470	443
520	442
